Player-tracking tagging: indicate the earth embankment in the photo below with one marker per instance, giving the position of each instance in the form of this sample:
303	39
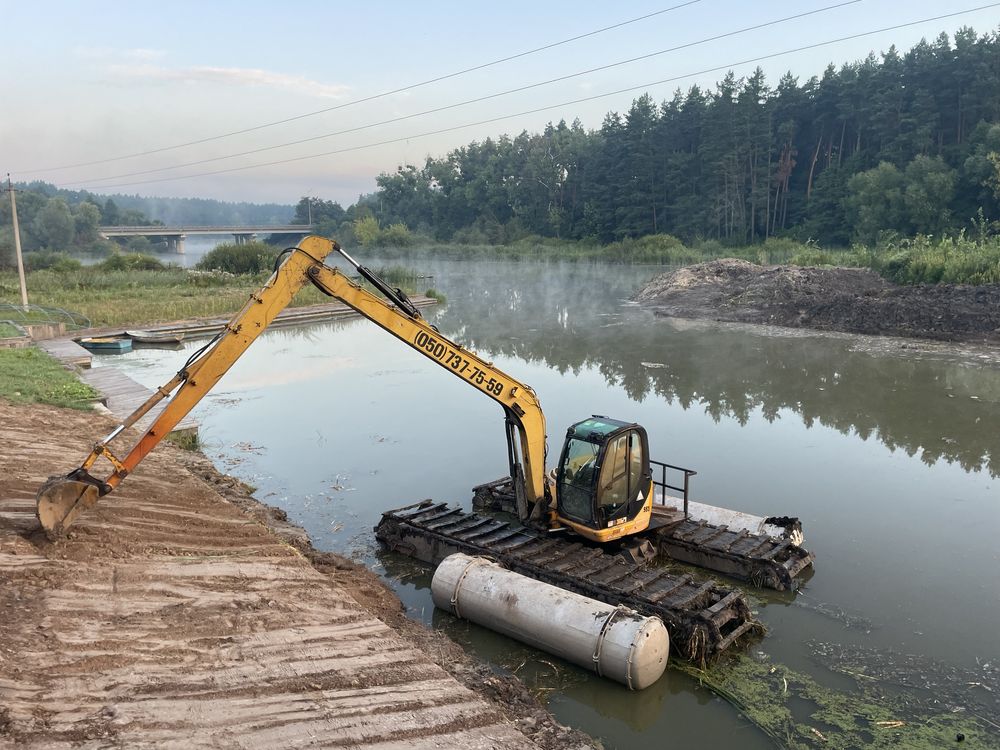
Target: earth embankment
181	613
850	300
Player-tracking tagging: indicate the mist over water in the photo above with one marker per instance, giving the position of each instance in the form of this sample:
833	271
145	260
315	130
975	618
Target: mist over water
194	250
888	455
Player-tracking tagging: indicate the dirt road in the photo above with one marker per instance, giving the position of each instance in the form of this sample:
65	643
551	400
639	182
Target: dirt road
173	616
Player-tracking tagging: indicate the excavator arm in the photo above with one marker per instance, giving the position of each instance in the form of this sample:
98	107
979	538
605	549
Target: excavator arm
62	499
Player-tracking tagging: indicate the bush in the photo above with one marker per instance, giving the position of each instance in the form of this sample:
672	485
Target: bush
926	260
369	234
41	260
209	279
395	235
130	262
812	256
652	248
66	265
248	258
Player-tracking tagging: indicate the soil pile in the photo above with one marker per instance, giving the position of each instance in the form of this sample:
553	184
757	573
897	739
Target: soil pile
832	299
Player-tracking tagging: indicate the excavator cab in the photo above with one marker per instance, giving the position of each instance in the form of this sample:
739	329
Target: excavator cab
604	487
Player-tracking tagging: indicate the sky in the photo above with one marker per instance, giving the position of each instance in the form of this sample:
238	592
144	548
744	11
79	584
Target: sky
85	84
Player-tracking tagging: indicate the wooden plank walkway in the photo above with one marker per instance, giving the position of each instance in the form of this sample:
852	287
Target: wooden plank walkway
66	351
119	393
122	396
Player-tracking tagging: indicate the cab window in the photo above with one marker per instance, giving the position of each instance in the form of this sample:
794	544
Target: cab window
613	486
578	474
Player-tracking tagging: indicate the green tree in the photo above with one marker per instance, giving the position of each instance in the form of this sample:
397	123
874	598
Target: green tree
994	179
875	201
327	216
110	215
133	217
366	231
54	225
930	188
86	219
976	187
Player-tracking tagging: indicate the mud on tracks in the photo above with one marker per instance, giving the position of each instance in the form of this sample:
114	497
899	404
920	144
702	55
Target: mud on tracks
182	613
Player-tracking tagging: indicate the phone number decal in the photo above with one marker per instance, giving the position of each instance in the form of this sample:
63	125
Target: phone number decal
445	354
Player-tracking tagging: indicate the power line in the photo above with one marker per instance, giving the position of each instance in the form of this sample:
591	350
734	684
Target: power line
373	97
561	104
476	100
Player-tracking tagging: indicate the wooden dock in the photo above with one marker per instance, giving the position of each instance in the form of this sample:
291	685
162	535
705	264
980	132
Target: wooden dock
122	396
66	351
119	393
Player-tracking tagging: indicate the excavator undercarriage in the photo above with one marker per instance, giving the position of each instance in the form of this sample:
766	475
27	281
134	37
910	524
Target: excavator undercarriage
703	617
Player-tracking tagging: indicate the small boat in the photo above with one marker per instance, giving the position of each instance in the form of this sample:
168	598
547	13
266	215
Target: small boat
107	344
155	338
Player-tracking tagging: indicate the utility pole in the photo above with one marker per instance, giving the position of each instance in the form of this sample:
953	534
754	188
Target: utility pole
17	244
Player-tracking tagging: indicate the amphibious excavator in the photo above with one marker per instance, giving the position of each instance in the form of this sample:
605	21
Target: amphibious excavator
601	490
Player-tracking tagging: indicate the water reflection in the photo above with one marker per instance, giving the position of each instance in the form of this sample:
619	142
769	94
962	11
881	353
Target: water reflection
790	424
932	409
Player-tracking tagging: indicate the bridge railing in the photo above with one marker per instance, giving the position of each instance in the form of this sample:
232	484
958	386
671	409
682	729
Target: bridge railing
231	229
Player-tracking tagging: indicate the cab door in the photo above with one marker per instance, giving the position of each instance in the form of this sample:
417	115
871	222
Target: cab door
624	480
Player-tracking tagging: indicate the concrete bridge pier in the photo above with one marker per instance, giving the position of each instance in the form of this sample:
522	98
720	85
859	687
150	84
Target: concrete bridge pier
176	244
244	238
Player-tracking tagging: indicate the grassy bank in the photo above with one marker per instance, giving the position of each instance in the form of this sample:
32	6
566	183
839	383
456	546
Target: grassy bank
131	297
30	376
111	298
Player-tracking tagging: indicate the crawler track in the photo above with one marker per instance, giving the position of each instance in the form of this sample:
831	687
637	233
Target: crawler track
762	560
704	618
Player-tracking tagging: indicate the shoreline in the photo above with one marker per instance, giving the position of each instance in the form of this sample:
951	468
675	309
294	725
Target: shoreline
826	299
181	589
375	595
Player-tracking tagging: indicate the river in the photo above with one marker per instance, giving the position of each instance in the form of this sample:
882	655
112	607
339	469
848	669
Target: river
889	455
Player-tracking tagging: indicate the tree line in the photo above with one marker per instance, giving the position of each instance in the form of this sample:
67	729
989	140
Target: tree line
59	221
54	224
905	143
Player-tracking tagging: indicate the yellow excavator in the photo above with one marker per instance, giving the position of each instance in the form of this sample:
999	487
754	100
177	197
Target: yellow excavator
601	489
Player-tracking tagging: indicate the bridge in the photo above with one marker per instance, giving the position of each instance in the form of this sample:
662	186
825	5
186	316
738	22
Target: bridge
175	236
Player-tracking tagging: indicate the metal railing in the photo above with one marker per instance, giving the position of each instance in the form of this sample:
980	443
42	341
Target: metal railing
662	484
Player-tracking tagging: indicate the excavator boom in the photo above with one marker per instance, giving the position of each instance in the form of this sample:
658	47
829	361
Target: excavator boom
62	499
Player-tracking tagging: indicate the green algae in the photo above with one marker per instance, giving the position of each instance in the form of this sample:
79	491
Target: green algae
798	712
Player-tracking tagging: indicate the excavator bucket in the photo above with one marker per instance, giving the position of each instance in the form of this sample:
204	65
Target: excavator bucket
60	501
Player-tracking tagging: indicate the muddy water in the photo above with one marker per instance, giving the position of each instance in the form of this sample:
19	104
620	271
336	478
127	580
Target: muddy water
889	454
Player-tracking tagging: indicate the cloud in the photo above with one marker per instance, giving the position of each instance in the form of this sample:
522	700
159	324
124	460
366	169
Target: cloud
231	77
